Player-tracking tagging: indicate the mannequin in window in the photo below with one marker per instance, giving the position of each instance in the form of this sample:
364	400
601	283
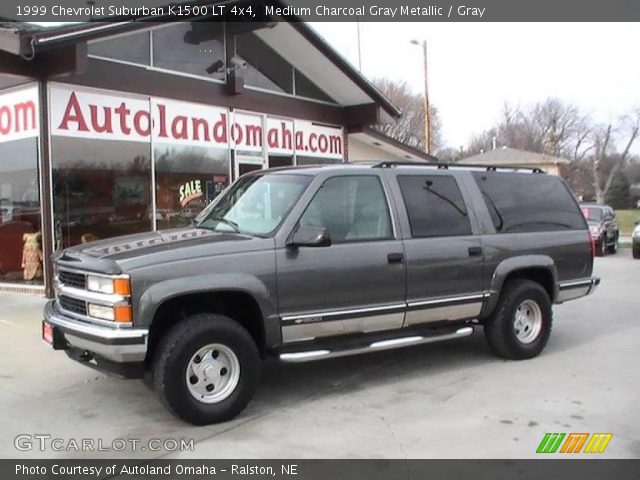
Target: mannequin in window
32	256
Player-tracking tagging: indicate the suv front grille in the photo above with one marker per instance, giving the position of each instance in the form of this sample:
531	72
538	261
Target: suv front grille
73	305
72	279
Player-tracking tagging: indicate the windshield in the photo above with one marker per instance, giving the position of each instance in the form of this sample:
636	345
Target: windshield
255	204
593	214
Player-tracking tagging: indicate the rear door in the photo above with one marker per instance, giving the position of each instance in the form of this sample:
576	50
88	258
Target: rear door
358	283
444	255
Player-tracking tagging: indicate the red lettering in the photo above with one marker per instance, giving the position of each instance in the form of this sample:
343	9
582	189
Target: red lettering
5	120
254	135
179	128
299	141
123	112
26	110
236	134
286	136
200	123
137	123
162	133
220	129
323	143
73	113
106	125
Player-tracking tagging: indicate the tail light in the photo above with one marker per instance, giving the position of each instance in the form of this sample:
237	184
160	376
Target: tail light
592	246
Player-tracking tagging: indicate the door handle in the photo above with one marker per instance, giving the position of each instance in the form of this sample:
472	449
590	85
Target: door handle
475	251
395	257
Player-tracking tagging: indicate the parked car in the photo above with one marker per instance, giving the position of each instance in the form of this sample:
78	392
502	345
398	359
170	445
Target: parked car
603	226
635	240
311	263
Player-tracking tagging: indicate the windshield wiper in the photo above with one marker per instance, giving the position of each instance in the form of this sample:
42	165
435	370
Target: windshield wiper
231	223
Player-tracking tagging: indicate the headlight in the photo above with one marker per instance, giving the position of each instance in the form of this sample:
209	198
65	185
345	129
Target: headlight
108	285
119	313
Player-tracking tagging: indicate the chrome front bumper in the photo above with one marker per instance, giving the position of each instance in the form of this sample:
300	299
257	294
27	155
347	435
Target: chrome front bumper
576	288
121	345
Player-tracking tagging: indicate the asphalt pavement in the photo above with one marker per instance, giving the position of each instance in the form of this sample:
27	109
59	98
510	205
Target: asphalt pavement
446	400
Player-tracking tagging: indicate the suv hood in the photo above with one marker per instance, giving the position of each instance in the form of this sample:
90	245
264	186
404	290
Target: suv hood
132	251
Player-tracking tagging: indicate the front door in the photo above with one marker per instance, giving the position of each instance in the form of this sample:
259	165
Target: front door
445	270
355	285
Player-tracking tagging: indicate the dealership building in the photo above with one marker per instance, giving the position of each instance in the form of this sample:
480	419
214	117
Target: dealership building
116	128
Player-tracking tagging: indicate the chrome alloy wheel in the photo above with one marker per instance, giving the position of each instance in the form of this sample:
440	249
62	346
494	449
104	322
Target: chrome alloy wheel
213	373
528	321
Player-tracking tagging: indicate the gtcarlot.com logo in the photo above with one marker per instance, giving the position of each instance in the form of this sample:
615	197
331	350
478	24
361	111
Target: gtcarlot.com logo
573	442
45	442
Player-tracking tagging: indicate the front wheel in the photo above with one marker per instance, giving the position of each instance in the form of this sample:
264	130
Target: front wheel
206	369
601	247
521	324
613	248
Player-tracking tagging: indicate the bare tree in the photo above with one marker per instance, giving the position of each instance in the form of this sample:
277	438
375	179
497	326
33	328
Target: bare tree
604	139
409	128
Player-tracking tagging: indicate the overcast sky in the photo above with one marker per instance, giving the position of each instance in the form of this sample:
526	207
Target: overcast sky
475	67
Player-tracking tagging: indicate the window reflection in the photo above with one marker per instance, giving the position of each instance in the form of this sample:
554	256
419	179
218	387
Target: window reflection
20	232
101	189
187	179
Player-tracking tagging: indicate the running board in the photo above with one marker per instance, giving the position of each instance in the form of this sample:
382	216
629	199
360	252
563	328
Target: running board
321	354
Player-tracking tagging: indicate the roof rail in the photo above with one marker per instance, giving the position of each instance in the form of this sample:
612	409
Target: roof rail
447	166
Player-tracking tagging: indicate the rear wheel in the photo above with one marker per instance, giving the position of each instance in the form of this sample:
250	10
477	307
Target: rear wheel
601	247
636	252
206	369
521	324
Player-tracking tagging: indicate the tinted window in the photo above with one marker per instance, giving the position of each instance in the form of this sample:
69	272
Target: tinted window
351	208
132	48
528	203
434	205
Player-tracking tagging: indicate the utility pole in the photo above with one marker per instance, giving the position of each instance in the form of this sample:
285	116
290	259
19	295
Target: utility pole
427	110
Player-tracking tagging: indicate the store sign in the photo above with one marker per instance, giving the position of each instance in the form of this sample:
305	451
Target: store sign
78	113
190	191
19	114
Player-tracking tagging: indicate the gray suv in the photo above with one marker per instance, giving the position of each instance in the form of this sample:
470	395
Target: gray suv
310	263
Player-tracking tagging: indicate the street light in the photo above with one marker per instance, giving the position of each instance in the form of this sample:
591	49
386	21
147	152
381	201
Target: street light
427	111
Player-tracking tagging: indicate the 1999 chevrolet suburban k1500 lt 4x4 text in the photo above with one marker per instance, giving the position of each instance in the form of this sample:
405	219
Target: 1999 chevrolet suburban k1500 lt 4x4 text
313	262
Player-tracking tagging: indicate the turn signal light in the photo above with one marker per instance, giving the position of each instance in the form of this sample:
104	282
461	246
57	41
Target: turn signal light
122	314
121	286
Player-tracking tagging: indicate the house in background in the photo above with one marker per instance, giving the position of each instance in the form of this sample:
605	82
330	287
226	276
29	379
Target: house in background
511	157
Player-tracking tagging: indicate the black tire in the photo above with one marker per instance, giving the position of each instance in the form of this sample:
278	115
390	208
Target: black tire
175	352
500	330
635	252
601	247
613	248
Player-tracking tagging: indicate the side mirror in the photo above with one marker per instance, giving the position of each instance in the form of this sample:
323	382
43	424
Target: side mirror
308	236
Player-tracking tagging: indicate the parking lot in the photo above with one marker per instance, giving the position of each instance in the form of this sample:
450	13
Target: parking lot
447	400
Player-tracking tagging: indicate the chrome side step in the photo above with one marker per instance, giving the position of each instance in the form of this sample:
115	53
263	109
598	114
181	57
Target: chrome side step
321	354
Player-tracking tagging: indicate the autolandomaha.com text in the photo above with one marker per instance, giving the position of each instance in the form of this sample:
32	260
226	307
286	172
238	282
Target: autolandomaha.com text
177	469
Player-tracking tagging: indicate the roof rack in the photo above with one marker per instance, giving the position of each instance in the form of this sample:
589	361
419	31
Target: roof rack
447	166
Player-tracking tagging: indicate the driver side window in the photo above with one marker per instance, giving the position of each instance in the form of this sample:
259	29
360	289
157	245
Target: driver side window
351	208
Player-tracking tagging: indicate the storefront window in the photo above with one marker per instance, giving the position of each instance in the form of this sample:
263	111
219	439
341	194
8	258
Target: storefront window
196	48
188	178
265	68
101	189
20	233
134	48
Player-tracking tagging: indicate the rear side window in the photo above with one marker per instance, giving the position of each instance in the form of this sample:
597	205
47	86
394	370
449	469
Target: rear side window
528	203
435	206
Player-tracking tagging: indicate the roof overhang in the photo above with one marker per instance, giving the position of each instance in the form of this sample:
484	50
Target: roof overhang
291	37
372	137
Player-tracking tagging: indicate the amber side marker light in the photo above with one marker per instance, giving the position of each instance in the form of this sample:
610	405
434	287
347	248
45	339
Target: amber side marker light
122	314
